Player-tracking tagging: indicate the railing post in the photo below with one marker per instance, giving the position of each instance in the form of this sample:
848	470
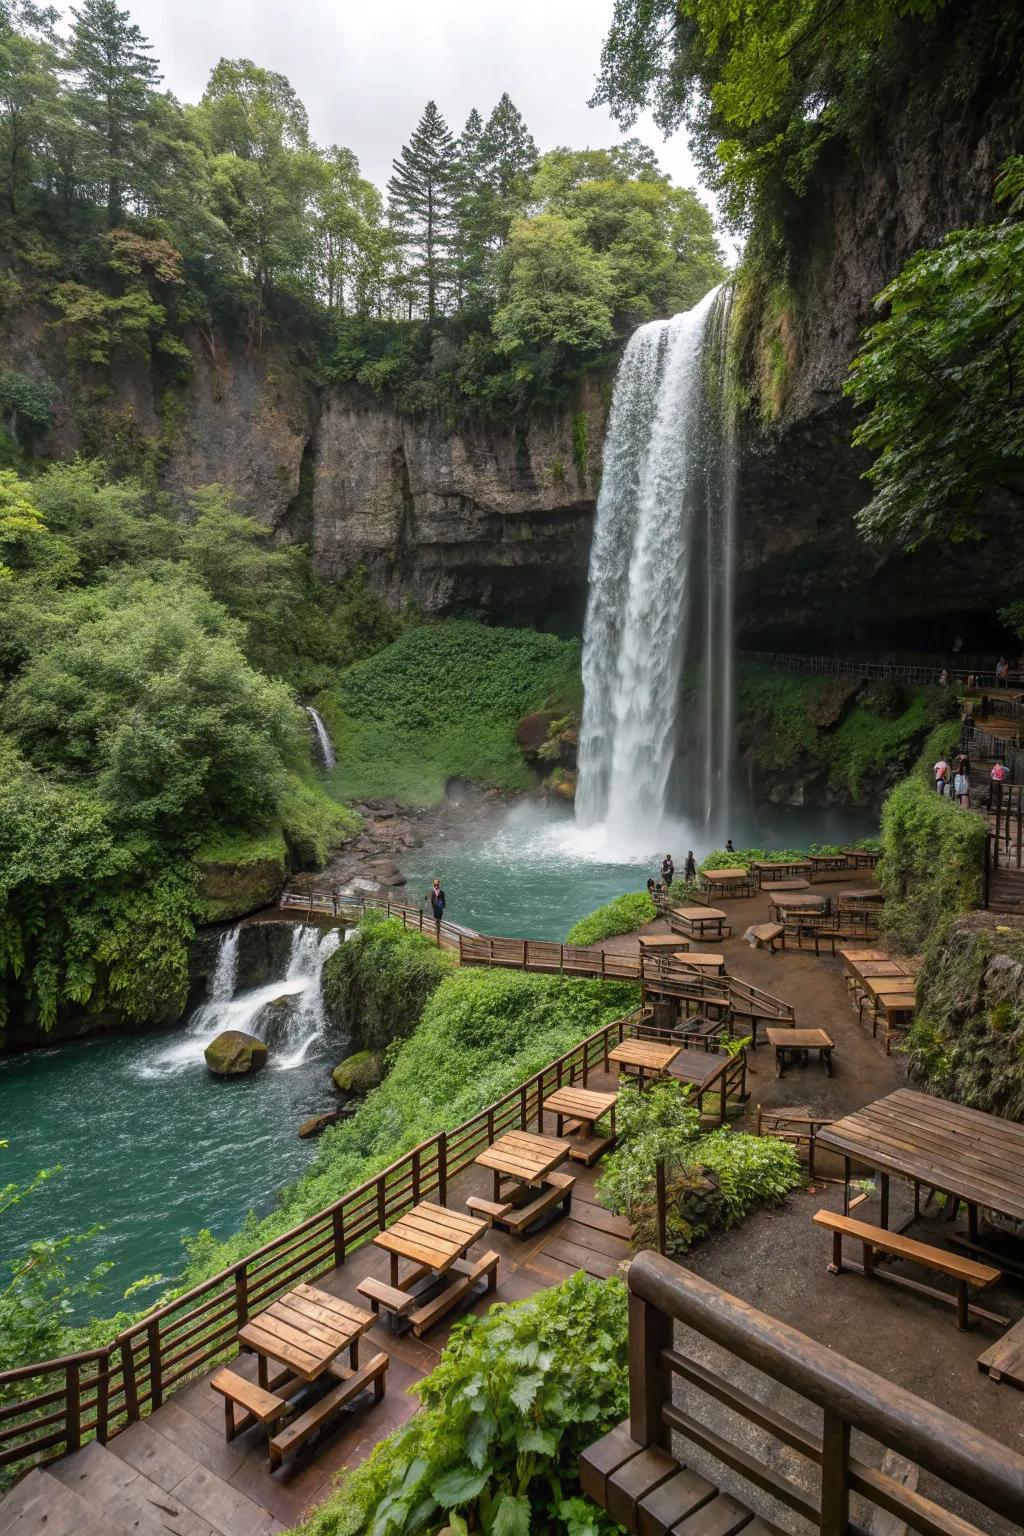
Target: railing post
522	1108
241	1294
659	1181
416	1176
442	1169
155	1371
103	1397
131	1390
338	1230
72	1405
835	1475
650	1334
382	1202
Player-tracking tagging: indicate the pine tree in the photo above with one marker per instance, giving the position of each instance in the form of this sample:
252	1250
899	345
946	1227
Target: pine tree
116	80
470	206
421	196
509	163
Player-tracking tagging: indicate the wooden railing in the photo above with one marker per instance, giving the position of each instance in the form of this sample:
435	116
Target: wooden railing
904	672
1006	825
850	1397
51	1407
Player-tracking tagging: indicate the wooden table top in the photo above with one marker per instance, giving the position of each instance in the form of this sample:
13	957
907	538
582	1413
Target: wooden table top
584	1103
693	913
699	957
795	903
866	968
780	863
305	1330
851	957
879	986
652	1055
976	1156
525	1156
431	1234
800	1039
701	1068
725	875
790	885
662	940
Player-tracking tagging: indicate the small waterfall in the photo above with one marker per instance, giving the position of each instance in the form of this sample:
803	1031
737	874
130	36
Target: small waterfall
299	1026
659	612
327	754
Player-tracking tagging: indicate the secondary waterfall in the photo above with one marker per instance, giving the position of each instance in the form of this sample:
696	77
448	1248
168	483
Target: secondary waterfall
323	736
656	738
290	1029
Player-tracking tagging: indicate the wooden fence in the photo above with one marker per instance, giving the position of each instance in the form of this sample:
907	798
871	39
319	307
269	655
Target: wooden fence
902	672
848	1397
53	1406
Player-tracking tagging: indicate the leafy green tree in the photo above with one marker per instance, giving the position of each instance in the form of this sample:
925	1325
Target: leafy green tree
420	198
29	94
560	292
941	378
115	82
508	161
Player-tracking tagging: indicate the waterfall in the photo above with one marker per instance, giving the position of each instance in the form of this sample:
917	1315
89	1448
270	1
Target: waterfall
291	1031
659	611
327	756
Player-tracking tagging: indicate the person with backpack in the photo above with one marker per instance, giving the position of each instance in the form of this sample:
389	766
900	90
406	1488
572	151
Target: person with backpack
668	870
941	772
438	902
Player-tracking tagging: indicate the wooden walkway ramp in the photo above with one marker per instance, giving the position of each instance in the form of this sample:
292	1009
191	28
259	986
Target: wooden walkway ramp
173	1472
659	975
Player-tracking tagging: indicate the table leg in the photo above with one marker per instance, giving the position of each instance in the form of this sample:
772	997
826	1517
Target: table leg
883	1197
394	1270
846	1186
262	1372
972	1221
496	1196
826	1057
353	1354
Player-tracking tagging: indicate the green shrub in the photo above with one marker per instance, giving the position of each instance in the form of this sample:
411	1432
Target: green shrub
442	702
933	862
622	915
377	985
515	1398
713	1180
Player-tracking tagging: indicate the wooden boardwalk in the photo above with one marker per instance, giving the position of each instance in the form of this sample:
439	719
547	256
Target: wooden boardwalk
173	1472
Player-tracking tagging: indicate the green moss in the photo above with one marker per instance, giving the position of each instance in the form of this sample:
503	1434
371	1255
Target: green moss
226	847
377	985
932	863
625	914
581	443
313	820
443	703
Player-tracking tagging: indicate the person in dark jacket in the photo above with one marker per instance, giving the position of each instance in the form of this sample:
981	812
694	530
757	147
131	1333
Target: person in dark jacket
438	902
668	870
690	869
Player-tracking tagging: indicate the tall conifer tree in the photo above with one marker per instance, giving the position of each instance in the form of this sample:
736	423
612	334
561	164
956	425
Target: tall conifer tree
116	80
509	160
421	196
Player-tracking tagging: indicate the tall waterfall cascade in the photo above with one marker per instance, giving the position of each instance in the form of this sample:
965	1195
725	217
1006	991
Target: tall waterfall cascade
323	738
657	734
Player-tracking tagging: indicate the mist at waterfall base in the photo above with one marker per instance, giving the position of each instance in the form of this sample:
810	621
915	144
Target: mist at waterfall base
153	1149
657	759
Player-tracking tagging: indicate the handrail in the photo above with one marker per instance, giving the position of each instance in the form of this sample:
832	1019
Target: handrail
907	672
161	1351
850	1395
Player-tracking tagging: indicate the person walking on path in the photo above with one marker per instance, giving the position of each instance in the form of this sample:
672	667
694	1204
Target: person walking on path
941	772
438	902
962	788
998	773
668	870
690	869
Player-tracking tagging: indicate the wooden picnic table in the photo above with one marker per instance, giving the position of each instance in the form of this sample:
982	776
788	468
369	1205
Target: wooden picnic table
728	882
769	871
868	896
861	858
524	1157
795	904
850	957
800	1042
976	1157
305	1330
646	1056
662	940
430	1237
701	922
701	960
823	862
718	1073
586	1106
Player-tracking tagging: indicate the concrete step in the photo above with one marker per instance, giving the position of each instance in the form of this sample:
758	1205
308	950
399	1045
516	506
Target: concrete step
40	1505
127	1496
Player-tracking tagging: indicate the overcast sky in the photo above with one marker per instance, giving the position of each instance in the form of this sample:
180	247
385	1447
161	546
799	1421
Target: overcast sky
366	68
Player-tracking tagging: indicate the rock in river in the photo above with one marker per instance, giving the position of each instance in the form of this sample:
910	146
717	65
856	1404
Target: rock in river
234	1053
359	1073
272	1022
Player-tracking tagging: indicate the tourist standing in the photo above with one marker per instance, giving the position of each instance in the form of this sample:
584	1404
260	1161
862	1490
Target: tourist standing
728	845
941	772
668	870
998	773
690	869
438	902
1002	671
962	788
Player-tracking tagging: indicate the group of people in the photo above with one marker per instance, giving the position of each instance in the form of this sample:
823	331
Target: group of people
668	873
954	779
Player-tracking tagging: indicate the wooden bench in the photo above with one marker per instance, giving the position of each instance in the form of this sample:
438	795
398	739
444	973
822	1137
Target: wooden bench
648	1491
379	1294
766	935
557	1190
1004	1360
257	1404
490	1210
303	1428
467	1274
966	1273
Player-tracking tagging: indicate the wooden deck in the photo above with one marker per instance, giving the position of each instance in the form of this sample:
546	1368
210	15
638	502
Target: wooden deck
174	1472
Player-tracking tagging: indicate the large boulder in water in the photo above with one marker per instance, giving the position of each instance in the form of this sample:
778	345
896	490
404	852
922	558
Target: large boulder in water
234	1054
272	1022
359	1073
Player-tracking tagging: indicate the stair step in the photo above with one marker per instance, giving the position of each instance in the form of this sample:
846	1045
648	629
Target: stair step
40	1505
127	1496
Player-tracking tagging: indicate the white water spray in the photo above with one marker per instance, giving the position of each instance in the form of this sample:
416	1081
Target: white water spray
660	595
323	736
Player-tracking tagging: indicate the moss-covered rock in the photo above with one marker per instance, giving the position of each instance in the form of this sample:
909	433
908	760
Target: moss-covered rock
376	986
235	1054
967	1040
240	874
359	1073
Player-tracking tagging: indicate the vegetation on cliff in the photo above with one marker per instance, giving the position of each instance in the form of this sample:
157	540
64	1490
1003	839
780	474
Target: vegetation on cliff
377	985
443	703
622	915
139	727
